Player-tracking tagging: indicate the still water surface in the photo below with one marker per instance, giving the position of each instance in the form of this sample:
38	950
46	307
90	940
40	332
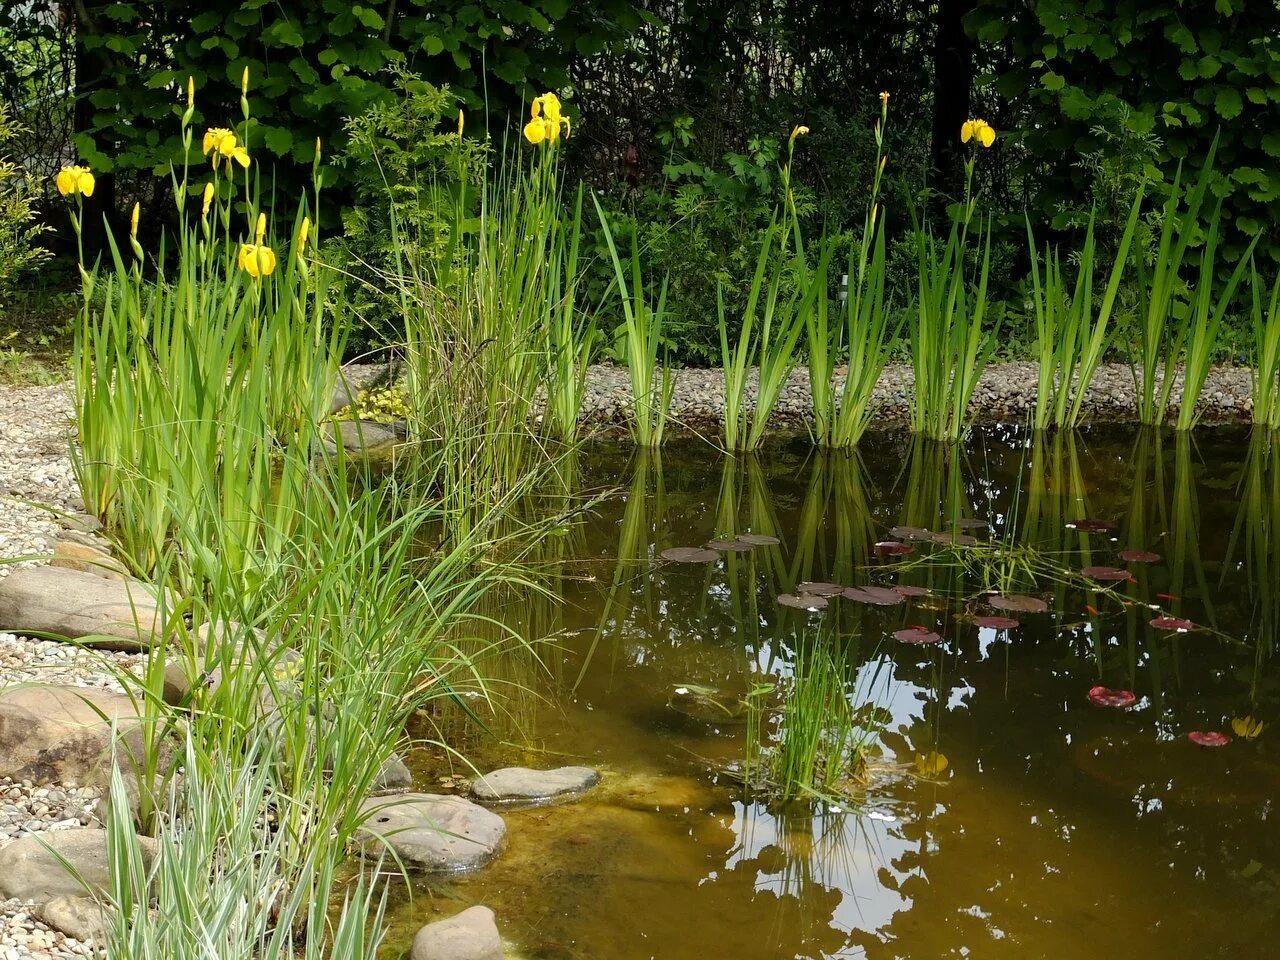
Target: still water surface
1059	829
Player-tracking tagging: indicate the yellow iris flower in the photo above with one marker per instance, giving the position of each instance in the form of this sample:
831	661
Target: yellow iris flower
222	142
546	120
978	130
932	764
1247	728
257	259
75	180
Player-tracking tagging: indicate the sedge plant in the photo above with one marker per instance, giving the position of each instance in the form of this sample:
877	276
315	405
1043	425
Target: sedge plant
1266	352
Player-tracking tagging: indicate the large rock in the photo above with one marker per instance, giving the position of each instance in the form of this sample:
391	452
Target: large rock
433	833
78	552
513	784
81	918
80	606
52	732
471	935
392	776
367	435
64	863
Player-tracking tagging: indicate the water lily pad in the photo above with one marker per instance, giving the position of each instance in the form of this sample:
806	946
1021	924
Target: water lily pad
1106	697
910	590
1139	556
916	635
911	533
690	555
758	539
876	596
931	764
1018	603
892	548
1091	526
956	539
1175	624
970	523
1208	738
997	623
805	601
725	545
1106	574
820	588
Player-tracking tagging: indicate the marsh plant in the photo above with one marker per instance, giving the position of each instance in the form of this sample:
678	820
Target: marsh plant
950	343
1265	321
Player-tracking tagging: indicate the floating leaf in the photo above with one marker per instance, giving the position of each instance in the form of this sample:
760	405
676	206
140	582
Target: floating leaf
916	635
911	533
728	546
758	539
820	589
1091	526
997	623
970	523
1108	574
1172	623
1018	603
1208	738
931	764
892	548
1139	556
957	539
1246	727
910	590
1106	697
802	601
877	596
1250	869
690	555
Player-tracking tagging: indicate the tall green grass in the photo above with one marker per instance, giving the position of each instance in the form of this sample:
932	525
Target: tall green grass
1266	351
571	337
1071	338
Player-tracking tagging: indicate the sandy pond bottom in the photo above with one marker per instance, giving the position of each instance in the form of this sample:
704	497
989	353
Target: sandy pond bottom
1059	830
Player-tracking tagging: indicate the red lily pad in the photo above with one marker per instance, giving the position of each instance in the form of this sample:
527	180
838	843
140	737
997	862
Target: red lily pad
1018	603
997	623
725	545
1172	623
892	548
958	539
1139	556
1106	697
911	533
804	601
819	589
758	539
910	590
916	635
1208	738
876	596
1086	525
689	555
1107	574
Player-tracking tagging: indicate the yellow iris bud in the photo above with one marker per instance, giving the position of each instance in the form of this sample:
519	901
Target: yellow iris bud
244	80
133	221
257	260
303	232
261	229
75	180
207	200
191	92
884	98
799	131
461	122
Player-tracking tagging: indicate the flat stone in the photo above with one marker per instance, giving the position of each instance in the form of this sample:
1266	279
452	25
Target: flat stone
81	918
433	833
74	554
470	935
58	733
36	867
112	614
522	783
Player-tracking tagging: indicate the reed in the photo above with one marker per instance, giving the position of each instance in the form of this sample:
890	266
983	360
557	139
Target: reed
571	338
1266	352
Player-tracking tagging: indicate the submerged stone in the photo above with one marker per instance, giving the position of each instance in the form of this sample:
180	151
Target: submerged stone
523	783
433	833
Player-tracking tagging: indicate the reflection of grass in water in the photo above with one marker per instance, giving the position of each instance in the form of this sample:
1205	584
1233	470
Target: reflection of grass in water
815	743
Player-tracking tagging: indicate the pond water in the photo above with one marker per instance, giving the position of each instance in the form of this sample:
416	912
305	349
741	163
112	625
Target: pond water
1058	829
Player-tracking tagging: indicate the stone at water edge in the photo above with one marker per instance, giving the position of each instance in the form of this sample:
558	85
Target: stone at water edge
88	558
33	868
392	776
522	783
470	935
57	733
79	605
433	833
366	435
81	918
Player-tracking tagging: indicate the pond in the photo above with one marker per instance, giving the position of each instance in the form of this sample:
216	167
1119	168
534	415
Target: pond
1059	827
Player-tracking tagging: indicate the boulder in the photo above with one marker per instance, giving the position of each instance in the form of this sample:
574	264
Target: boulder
367	435
432	833
471	935
52	732
120	614
64	863
76	554
514	784
81	918
392	776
